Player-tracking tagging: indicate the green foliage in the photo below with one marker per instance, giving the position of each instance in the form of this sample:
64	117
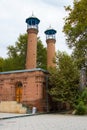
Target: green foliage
81	103
41	55
81	108
84	96
1	64
75	29
64	79
17	55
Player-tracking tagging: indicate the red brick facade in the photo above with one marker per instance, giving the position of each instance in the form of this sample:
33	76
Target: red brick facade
31	48
32	84
50	52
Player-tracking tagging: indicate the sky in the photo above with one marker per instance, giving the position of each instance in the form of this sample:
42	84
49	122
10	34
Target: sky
13	14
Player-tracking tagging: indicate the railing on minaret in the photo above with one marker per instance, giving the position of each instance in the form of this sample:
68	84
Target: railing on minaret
50	39
32	30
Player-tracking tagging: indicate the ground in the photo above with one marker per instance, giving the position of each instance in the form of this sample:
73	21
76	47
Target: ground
44	122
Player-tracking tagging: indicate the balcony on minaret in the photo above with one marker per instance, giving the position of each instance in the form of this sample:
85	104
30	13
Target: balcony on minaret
32	22
50	33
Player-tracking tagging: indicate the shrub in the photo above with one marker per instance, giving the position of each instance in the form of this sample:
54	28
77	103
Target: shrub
81	108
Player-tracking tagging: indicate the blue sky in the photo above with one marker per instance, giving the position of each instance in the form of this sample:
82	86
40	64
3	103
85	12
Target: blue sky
13	14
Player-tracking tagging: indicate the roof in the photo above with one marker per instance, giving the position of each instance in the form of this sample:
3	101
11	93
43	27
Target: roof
31	19
50	31
26	70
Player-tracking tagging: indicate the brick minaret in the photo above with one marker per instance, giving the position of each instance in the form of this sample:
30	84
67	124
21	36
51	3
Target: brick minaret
50	39
32	30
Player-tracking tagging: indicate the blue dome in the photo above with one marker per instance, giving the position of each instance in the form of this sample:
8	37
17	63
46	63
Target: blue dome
32	20
50	31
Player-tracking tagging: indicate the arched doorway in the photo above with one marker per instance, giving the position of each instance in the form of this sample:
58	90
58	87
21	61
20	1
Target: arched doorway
18	91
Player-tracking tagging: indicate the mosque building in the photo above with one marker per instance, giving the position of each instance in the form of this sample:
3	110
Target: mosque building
29	86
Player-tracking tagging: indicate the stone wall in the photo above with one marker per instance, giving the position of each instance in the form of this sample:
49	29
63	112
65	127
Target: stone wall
12	107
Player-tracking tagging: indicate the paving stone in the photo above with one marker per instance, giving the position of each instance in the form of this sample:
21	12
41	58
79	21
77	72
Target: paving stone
44	122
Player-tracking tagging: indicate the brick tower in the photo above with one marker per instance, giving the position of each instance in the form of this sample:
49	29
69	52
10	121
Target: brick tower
50	39
32	30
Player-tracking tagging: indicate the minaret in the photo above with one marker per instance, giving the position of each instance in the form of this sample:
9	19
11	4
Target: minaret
50	39
32	30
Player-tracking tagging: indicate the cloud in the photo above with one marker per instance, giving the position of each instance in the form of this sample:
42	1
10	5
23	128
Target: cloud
14	13
57	3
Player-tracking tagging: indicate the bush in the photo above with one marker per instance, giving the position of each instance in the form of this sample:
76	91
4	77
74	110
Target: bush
81	108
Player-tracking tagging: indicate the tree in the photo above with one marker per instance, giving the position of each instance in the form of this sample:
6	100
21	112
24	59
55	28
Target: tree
64	79
75	29
17	54
81	105
41	55
1	64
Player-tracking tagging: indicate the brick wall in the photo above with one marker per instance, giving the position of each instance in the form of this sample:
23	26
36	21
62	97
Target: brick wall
33	88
